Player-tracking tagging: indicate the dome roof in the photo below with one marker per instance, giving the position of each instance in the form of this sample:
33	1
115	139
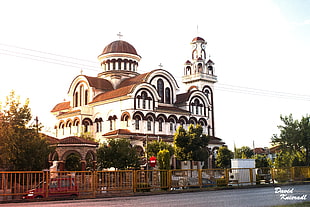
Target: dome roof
119	46
198	39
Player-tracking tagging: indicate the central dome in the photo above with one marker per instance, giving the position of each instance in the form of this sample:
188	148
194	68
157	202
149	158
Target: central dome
119	46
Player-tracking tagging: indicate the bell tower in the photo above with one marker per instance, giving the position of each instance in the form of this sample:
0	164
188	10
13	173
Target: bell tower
199	71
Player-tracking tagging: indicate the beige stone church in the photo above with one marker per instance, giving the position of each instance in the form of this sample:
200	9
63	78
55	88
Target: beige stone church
122	103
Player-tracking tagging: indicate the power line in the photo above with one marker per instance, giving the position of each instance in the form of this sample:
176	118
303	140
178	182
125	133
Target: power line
46	61
261	92
219	86
48	53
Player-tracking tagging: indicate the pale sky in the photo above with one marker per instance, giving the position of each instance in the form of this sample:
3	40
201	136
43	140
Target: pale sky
260	49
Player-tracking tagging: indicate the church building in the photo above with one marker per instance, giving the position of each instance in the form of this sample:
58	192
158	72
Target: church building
122	103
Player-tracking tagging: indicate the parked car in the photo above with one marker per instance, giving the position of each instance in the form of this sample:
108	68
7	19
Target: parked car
57	187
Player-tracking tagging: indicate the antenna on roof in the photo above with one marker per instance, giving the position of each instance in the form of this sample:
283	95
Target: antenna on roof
120	35
197	31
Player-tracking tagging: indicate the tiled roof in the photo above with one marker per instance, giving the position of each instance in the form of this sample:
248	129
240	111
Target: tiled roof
197	39
215	140
181	98
61	106
259	150
113	94
210	61
51	140
76	140
134	134
99	83
134	80
119	46
118	131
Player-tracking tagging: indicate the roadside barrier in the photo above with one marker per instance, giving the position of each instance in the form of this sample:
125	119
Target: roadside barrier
45	184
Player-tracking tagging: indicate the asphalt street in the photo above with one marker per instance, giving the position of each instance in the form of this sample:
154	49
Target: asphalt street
248	197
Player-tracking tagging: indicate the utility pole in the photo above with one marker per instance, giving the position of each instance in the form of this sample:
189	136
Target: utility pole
37	123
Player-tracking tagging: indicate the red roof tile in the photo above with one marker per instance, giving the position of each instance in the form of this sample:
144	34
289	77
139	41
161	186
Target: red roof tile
99	83
134	80
181	98
198	39
119	46
76	140
215	140
61	106
113	94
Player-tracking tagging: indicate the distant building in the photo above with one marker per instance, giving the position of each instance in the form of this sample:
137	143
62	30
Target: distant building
269	152
122	103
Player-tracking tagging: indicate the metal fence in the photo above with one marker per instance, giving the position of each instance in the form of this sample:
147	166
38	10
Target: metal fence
45	184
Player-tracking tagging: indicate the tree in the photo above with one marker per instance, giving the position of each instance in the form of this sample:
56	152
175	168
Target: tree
262	161
22	147
224	156
288	159
244	152
155	146
191	144
163	159
294	138
119	154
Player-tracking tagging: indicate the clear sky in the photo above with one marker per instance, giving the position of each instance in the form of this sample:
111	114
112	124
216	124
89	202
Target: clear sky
260	49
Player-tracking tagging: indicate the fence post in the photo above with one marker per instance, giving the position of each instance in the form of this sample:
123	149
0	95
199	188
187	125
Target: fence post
95	182
134	181
251	175
46	175
227	175
169	177
200	177
293	173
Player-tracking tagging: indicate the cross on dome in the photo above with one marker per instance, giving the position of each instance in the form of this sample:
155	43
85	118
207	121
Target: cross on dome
120	35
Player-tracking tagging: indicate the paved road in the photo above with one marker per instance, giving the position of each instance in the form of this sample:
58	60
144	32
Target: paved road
268	196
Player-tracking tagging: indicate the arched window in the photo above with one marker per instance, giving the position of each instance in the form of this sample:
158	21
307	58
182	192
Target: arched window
196	104
149	124
167	95
69	125
76	99
98	122
199	68
114	67
87	123
111	124
143	96
76	125
126	119
137	122
138	99
160	125
125	65
171	125
160	90
119	64
210	69
62	127
81	93
86	97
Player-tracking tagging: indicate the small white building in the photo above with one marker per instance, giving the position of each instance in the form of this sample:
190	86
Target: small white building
242	172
